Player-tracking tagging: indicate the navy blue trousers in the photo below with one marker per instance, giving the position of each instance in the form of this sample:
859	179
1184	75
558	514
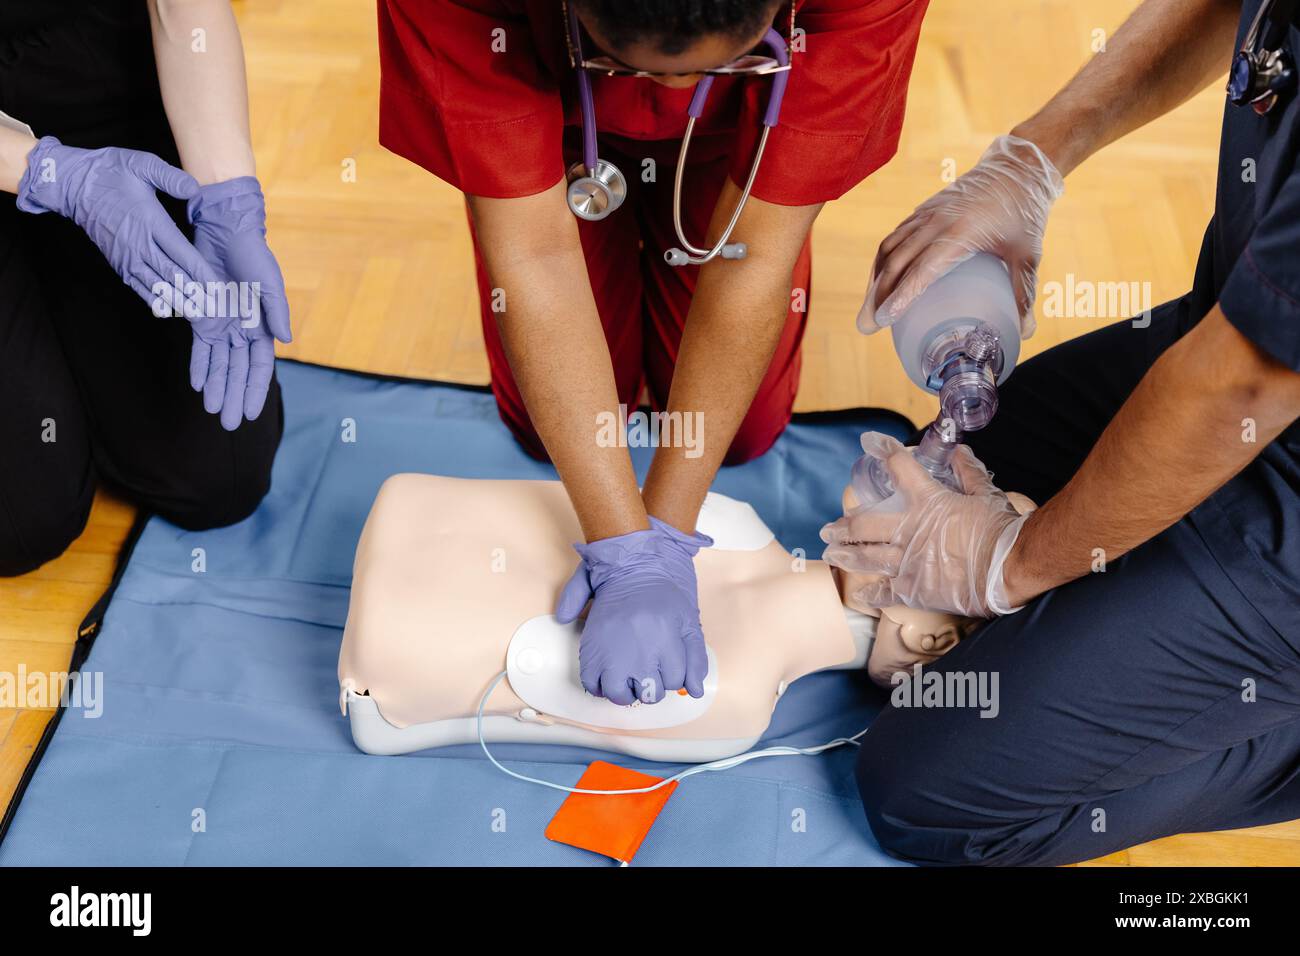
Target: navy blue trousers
1151	699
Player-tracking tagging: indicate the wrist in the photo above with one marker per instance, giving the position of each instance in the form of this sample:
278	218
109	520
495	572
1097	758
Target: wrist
1066	143
1021	581
15	147
40	188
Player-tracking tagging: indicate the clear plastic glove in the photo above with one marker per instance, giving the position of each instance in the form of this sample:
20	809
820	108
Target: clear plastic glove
643	636
233	355
1000	207
944	551
112	195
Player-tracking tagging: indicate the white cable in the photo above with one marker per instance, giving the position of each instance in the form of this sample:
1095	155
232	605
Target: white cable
726	763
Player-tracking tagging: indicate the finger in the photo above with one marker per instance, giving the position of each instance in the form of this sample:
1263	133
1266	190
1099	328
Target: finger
910	478
616	687
574	597
172	243
972	476
200	356
1024	280
900	265
193	301
865	558
232	406
165	299
649	688
176	183
940	256
866	320
588	673
877	593
214	389
261	367
275	306
878	444
870	527
697	663
891	242
672	665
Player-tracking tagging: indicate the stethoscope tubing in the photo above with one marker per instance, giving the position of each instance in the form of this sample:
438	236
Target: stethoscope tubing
689	253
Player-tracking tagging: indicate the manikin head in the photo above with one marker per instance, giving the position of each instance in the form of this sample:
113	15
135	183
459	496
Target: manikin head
676	38
906	636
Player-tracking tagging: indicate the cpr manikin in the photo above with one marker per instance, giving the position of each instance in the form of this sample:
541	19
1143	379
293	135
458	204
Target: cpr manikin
454	582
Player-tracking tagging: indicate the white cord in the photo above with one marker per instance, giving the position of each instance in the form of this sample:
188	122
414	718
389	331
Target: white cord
726	763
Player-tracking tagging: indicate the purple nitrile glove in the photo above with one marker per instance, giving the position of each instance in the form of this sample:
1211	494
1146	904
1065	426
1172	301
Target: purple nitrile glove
233	355
643	636
112	195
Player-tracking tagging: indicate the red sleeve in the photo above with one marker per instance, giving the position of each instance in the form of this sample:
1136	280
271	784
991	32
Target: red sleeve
843	107
489	123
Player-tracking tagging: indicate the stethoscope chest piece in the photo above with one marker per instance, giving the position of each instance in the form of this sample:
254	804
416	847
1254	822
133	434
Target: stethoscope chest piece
595	196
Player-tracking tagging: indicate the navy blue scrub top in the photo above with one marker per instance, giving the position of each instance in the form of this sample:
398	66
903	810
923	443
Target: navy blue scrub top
1250	265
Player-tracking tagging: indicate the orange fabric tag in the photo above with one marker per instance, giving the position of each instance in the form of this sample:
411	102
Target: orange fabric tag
612	826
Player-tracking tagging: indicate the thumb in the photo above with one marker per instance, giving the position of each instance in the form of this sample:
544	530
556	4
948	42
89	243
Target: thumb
867	323
574	597
162	175
910	478
971	474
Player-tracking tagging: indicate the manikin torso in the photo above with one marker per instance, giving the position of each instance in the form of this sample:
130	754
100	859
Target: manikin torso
448	570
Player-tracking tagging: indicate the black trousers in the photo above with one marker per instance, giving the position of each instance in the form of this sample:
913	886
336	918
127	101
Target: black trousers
94	387
1148	700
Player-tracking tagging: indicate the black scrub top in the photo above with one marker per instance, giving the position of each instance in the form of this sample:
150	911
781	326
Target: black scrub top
1250	266
81	70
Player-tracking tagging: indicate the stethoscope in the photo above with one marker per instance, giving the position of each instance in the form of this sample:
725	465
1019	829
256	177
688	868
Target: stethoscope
597	187
1263	70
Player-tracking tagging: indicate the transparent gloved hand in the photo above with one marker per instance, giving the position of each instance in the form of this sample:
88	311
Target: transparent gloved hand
112	195
643	636
1000	207
232	358
943	551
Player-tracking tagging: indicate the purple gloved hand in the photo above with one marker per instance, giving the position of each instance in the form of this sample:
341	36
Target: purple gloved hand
112	195
643	636
233	355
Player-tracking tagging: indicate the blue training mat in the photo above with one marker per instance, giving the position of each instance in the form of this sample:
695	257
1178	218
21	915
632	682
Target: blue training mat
221	742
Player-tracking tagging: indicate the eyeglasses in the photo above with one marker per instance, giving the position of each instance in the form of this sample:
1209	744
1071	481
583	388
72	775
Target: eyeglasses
747	65
750	64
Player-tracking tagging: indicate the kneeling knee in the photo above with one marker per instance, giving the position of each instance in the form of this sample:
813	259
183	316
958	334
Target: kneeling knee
914	819
41	539
214	505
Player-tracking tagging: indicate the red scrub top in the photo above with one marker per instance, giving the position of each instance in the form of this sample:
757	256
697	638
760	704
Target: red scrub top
491	123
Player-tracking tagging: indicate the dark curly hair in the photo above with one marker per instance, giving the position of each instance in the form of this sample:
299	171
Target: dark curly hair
671	26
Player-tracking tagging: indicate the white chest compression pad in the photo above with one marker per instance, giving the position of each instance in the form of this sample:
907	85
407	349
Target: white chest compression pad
542	660
542	666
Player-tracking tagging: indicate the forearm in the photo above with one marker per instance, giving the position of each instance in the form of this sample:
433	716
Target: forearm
1165	53
201	73
14	147
737	314
556	347
1177	439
